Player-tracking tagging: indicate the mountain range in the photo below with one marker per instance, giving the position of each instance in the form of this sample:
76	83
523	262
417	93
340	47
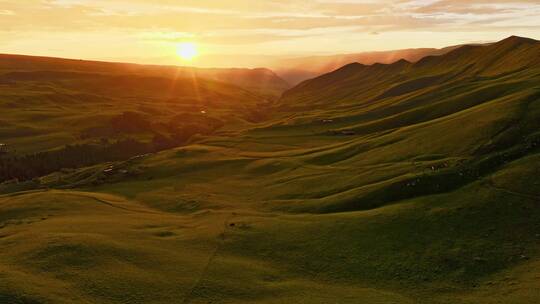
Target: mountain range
296	70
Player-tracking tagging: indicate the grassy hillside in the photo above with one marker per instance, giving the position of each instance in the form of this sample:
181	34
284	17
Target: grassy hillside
401	183
296	70
53	102
261	81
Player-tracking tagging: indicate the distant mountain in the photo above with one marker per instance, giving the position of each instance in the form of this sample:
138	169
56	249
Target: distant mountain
296	70
52	102
261	81
358	83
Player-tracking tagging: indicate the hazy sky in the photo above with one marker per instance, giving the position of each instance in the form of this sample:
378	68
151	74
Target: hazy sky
149	31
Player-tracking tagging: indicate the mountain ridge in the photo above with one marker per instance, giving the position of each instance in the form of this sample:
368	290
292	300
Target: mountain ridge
482	60
259	80
297	70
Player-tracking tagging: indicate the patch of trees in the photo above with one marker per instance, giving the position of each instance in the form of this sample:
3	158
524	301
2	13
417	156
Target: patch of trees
169	135
26	167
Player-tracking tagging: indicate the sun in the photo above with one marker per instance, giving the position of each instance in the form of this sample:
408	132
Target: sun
187	51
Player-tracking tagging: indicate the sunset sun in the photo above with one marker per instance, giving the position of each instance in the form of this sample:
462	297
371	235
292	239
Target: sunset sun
187	51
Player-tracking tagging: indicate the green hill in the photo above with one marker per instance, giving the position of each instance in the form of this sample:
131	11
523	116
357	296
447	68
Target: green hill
51	102
261	81
399	183
296	70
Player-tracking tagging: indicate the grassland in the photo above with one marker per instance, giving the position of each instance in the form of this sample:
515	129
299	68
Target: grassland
402	183
53	102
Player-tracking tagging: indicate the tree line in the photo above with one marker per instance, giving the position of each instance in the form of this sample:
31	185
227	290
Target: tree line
29	166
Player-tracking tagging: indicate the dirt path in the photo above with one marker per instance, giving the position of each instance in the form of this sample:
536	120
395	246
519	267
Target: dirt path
221	241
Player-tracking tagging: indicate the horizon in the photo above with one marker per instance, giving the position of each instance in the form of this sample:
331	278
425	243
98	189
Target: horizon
119	60
179	65
227	34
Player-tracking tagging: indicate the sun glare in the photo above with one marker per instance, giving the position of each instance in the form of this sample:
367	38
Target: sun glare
187	51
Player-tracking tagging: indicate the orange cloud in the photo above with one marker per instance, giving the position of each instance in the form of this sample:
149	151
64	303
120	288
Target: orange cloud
107	28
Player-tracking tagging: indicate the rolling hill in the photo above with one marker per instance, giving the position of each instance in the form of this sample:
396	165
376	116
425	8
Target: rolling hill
296	70
261	81
388	183
52	102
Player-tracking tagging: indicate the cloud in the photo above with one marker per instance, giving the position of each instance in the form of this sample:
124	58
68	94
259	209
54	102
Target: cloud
6	12
203	15
269	25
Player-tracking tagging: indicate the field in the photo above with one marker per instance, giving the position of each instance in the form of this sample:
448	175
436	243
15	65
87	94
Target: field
401	183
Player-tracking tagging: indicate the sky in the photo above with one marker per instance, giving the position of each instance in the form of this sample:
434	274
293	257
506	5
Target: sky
248	32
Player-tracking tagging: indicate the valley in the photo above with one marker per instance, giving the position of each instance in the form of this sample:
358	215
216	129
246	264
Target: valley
406	182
